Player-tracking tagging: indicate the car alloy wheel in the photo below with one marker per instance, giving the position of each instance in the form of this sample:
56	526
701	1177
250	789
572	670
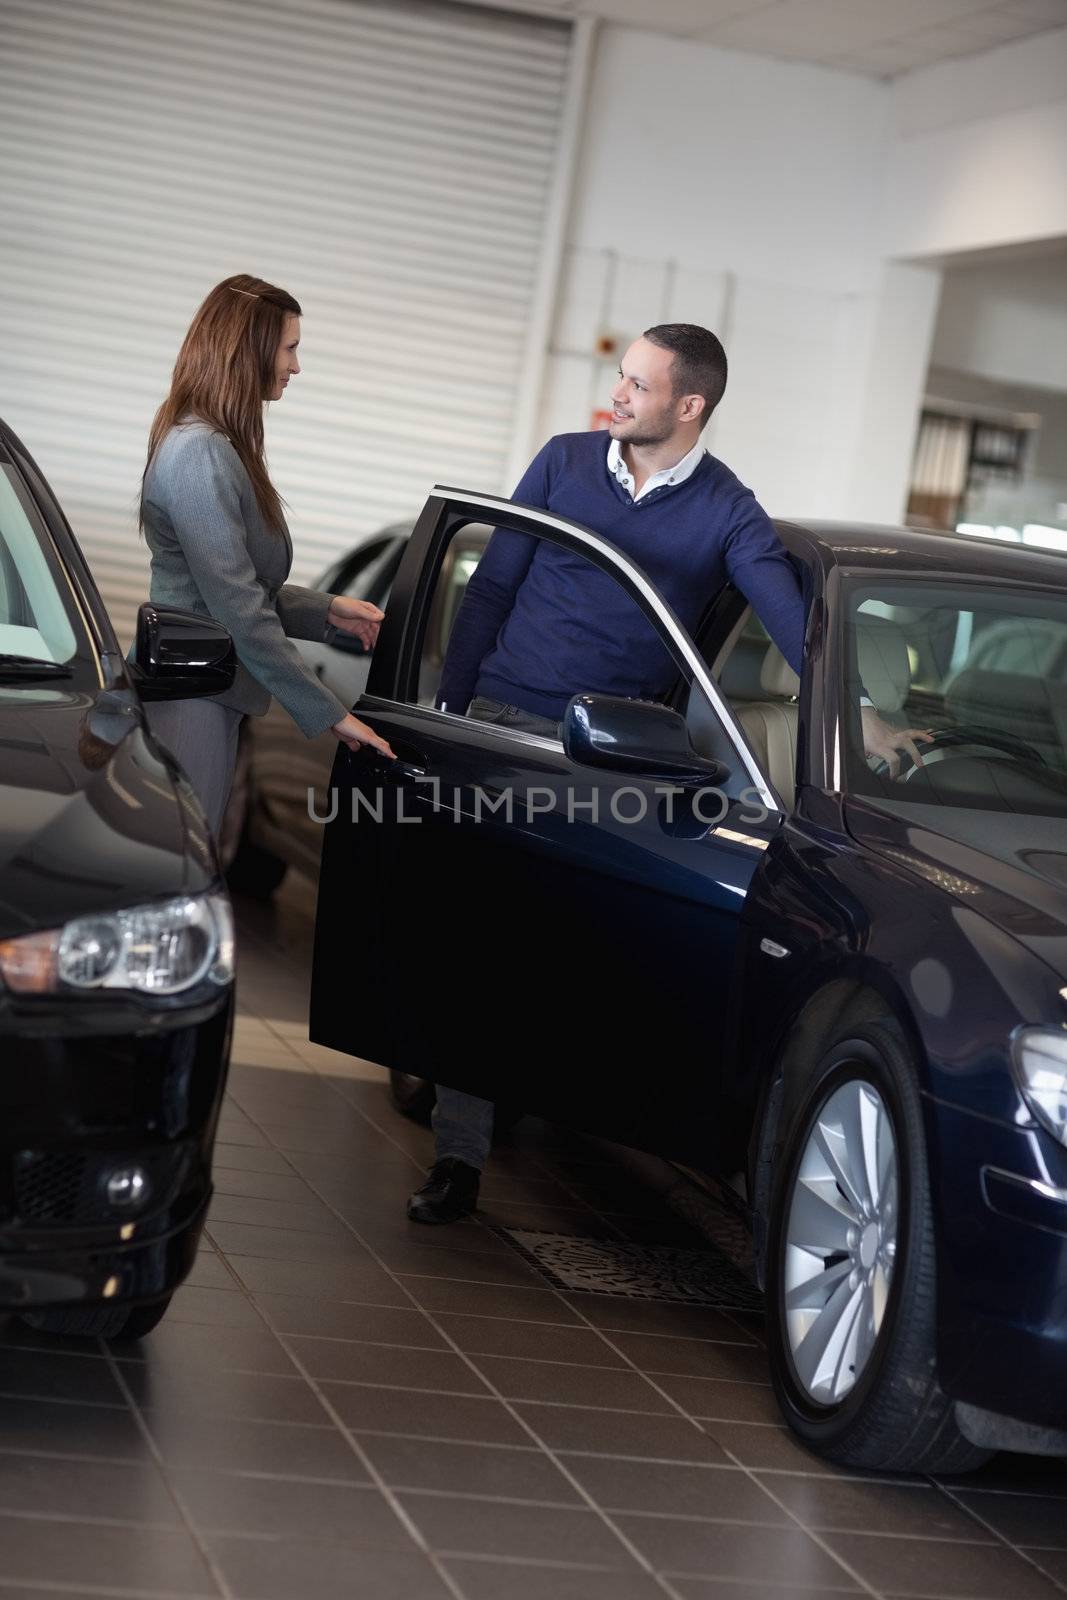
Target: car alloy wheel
841	1241
851	1265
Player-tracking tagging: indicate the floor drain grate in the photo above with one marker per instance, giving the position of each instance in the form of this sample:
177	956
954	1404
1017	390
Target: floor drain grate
635	1271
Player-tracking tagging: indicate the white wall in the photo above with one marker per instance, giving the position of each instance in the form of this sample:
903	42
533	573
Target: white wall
807	215
746	194
763	166
980	155
979	164
1006	321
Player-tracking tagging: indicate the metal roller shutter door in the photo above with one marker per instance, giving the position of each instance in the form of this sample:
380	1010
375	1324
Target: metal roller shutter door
392	165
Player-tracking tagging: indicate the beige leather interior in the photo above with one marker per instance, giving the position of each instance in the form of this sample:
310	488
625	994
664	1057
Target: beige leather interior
882	657
770	724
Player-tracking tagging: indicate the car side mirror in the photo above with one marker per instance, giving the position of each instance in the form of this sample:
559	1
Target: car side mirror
179	654
637	737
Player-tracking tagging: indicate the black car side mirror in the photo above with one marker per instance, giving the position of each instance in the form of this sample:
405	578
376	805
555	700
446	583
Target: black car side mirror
635	736
178	654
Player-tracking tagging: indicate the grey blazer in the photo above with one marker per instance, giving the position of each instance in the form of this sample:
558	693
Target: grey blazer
213	553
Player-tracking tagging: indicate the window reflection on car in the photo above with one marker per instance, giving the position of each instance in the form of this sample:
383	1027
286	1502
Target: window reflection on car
972	663
35	615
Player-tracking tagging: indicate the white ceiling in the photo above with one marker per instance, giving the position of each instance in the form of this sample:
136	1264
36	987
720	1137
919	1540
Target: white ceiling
879	38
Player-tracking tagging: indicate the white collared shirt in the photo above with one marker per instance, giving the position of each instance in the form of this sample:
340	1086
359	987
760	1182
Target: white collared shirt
677	474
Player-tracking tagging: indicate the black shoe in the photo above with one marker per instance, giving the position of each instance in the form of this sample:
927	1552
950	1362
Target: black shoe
450	1192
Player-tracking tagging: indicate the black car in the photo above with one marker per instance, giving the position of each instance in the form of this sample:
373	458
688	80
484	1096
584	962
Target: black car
705	926
116	940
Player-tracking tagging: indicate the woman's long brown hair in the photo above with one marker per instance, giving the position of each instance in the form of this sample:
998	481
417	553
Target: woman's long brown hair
225	371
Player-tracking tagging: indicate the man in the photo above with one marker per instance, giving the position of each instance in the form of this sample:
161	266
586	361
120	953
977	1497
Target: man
654	491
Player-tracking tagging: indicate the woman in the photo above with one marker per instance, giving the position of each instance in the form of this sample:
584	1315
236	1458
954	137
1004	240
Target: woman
214	525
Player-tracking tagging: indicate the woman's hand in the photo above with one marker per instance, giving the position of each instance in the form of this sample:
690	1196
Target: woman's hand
357	617
354	733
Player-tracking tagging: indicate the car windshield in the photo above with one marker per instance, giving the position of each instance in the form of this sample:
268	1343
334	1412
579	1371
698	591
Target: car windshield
981	666
37	616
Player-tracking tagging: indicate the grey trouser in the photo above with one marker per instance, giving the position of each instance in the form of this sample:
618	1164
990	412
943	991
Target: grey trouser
462	1123
202	737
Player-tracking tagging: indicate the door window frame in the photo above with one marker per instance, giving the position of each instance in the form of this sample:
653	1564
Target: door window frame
394	672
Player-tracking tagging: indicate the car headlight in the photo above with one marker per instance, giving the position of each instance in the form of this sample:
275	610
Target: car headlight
1039	1056
161	948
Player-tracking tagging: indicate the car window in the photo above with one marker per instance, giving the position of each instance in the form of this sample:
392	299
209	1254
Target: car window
373	579
1031	647
360	570
739	651
36	606
460	562
366	573
970	664
464	564
554	571
739	665
622	651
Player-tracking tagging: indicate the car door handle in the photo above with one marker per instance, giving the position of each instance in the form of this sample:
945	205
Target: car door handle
409	764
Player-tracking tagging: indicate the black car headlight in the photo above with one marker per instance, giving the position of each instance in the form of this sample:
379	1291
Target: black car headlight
1039	1056
161	948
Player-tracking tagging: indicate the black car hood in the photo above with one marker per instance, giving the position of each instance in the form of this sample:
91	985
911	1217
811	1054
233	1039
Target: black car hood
90	817
1011	869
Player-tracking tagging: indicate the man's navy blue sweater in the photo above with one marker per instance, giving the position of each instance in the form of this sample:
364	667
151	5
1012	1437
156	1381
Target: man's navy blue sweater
539	624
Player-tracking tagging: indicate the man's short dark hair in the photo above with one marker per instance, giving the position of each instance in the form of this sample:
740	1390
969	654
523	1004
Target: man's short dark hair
699	365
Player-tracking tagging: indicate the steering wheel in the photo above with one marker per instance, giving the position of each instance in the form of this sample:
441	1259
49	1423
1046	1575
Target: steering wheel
966	733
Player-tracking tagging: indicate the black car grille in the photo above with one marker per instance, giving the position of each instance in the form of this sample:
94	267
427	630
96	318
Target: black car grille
52	1188
70	1187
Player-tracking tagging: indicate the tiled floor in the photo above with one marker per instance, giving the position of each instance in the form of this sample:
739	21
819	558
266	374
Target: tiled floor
342	1404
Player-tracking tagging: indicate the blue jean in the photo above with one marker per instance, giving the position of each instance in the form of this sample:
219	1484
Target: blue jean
462	1126
463	1123
483	710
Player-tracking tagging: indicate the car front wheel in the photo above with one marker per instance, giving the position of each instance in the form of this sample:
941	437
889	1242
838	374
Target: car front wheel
851	1271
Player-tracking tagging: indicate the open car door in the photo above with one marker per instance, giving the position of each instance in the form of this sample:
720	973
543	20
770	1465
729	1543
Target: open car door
551	925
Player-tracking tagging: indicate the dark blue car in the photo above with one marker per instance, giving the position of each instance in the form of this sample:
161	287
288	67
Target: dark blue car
707	927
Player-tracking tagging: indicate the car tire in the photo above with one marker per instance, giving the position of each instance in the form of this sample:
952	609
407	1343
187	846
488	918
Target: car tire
416	1098
851	1265
99	1322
